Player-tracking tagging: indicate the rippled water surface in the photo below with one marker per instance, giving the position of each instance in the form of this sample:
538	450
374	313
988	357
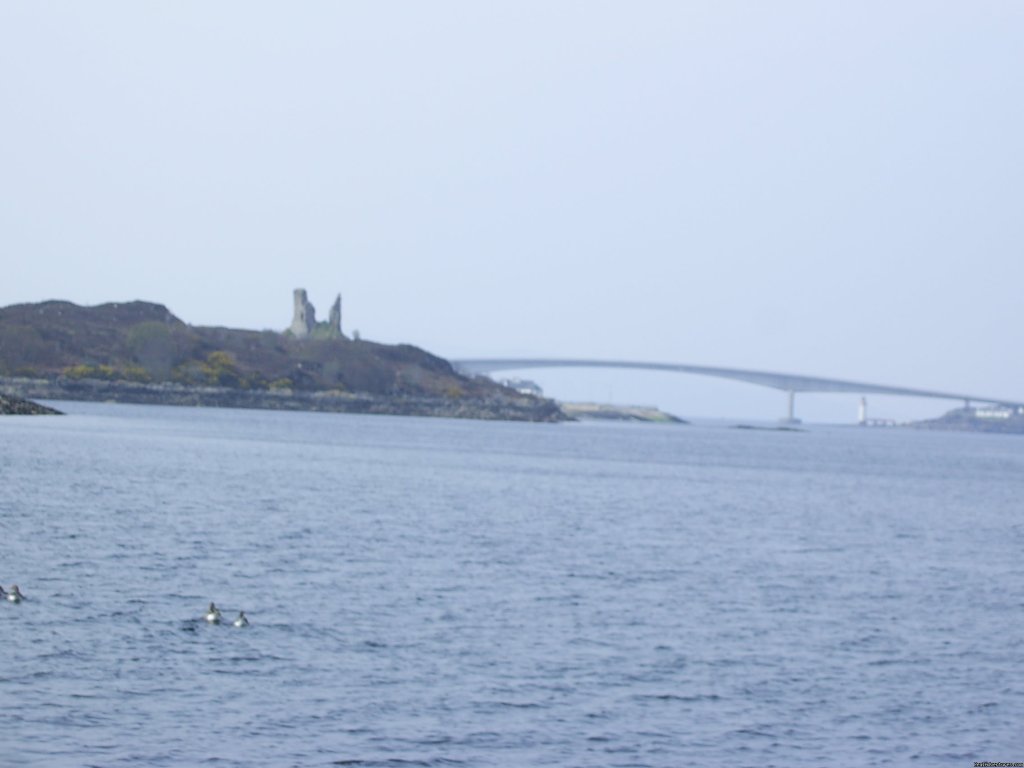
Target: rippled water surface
432	592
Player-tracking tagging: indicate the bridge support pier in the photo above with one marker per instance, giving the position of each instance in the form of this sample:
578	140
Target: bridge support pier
790	409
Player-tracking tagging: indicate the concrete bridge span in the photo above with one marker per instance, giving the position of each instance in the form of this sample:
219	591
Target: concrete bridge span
789	383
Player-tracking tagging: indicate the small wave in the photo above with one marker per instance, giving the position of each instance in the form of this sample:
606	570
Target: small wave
395	762
519	704
752	732
676	697
894	662
62	654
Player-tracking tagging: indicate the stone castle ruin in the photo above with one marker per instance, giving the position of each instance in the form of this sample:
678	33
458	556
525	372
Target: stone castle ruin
304	324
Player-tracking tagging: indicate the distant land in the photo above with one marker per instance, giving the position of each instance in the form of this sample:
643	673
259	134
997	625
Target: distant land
997	419
606	412
139	352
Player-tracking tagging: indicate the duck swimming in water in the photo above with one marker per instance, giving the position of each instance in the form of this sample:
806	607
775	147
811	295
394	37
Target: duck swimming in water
213	614
15	595
241	621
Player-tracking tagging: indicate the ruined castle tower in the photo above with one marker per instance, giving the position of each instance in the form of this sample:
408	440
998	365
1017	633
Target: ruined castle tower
304	321
334	319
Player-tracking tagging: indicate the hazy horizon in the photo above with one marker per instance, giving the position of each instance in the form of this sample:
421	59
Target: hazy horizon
823	189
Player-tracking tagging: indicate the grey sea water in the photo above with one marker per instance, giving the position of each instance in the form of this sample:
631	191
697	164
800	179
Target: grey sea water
435	593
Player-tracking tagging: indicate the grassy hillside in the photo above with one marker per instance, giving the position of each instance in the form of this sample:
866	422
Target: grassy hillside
143	342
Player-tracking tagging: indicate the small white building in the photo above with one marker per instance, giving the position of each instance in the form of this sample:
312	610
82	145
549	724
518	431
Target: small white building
993	412
523	386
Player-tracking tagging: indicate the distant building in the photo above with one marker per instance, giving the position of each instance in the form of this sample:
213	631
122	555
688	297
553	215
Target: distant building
993	412
523	386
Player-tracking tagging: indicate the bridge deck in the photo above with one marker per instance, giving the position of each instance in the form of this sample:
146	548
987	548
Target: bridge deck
787	382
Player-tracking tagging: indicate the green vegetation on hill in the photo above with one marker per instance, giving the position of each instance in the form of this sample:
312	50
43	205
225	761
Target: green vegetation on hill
145	344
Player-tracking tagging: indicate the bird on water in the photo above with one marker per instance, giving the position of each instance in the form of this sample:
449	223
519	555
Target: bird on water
15	595
241	621
213	614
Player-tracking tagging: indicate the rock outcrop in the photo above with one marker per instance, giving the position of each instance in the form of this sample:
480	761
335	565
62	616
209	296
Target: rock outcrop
16	406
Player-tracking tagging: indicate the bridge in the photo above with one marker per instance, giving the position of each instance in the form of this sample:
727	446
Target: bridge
790	383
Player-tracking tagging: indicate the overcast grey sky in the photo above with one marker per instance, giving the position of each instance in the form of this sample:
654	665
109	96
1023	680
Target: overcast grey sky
815	187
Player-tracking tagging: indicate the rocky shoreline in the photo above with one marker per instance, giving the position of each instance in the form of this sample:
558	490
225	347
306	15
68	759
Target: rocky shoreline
509	408
16	406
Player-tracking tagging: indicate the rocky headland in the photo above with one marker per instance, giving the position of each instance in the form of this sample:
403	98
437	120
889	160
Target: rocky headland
16	406
139	352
